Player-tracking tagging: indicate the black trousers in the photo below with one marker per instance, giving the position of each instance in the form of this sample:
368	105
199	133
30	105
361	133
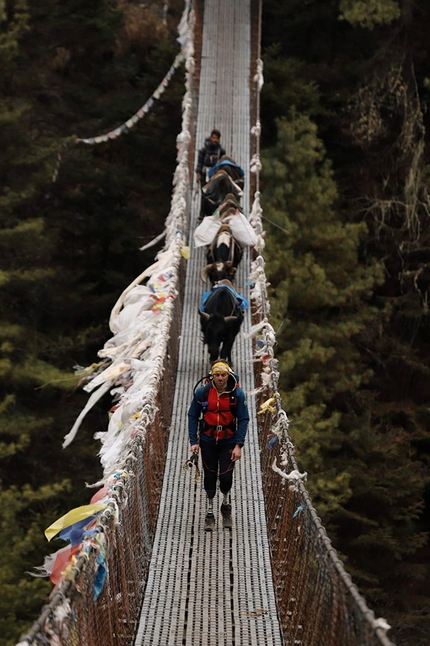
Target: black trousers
217	462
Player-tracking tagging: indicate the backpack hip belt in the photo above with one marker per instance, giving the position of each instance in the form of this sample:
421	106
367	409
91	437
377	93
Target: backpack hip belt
218	432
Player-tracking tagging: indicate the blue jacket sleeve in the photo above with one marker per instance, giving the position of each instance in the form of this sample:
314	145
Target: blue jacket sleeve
242	415
194	415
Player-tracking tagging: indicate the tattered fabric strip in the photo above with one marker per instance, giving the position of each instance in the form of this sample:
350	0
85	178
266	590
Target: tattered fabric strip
127	125
133	362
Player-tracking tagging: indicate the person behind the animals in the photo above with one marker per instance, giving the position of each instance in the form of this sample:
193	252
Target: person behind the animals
207	157
217	424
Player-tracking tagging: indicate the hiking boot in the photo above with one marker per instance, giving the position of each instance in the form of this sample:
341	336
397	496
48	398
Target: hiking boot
209	522
226	516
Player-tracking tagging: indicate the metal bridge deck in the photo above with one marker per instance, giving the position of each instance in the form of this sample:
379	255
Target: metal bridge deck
213	589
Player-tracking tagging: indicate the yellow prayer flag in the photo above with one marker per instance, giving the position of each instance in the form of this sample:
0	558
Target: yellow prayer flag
73	516
268	405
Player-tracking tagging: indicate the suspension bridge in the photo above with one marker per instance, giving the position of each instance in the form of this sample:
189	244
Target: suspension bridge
147	573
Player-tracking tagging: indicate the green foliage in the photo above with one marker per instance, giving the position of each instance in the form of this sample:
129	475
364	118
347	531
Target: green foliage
381	524
321	306
369	13
319	288
353	339
13	24
287	86
24	518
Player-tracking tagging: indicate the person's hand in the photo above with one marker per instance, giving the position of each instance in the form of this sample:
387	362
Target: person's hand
236	454
195	448
198	178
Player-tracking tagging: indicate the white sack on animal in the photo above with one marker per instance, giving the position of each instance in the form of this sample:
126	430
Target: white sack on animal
207	230
241	229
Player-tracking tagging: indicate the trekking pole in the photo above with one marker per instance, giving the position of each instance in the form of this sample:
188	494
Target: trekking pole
193	460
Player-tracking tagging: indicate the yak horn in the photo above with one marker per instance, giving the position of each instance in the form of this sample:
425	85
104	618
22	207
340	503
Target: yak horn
227	319
204	315
204	273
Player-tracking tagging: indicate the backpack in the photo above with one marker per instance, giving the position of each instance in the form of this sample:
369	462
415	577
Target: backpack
204	401
228	431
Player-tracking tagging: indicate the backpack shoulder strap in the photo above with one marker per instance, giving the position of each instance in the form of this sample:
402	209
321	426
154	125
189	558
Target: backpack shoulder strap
204	399
205	394
233	402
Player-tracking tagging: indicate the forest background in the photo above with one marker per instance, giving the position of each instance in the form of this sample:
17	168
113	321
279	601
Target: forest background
345	196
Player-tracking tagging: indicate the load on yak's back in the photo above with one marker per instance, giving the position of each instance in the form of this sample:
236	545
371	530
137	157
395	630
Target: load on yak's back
224	178
224	234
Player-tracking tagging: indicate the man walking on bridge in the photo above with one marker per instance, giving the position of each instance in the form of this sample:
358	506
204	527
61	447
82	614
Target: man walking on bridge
217	422
207	157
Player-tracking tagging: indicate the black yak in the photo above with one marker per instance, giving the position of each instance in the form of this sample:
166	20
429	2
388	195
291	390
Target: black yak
223	256
221	318
216	191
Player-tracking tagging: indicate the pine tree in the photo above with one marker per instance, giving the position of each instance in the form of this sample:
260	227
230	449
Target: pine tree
370	84
319	292
321	296
22	543
369	13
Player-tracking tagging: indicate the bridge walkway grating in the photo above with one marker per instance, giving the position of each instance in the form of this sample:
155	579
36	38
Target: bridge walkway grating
213	589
